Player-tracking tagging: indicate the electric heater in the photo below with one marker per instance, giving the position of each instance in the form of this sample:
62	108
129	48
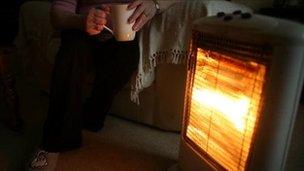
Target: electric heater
244	81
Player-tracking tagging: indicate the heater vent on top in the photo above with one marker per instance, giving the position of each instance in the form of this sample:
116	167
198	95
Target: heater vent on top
225	45
226	97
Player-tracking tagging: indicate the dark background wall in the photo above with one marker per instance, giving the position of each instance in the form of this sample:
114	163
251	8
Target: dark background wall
9	20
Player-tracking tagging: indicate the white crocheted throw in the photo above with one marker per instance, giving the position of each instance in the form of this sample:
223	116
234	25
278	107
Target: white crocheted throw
166	38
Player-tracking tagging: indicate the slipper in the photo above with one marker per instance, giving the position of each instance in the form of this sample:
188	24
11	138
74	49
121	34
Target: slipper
43	161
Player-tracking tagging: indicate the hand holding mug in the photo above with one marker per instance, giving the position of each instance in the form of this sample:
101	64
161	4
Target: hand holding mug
144	11
126	19
96	19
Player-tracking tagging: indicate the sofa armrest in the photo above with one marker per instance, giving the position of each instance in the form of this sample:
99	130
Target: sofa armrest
37	42
36	32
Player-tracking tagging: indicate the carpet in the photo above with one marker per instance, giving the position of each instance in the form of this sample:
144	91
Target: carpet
121	145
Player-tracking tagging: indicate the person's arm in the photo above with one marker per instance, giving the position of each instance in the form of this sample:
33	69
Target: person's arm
145	10
65	20
63	16
165	4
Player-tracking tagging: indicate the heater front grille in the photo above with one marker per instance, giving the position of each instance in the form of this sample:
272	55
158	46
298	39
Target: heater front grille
223	107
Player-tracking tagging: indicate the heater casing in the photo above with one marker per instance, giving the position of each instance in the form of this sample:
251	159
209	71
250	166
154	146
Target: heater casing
282	90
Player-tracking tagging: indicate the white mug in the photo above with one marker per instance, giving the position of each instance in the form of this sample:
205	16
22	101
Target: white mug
122	30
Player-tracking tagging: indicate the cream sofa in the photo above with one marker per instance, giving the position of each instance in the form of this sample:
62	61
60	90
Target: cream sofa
161	104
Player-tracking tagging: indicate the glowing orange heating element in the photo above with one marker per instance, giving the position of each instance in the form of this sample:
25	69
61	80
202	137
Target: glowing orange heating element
224	108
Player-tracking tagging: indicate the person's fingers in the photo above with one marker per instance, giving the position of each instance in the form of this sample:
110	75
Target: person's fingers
106	7
90	25
140	22
95	17
95	21
100	13
99	20
139	10
134	4
99	28
90	14
95	28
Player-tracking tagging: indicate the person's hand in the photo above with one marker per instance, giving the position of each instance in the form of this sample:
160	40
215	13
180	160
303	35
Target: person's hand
96	19
144	11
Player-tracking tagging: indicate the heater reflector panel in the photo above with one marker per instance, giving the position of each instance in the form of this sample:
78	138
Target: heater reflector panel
224	107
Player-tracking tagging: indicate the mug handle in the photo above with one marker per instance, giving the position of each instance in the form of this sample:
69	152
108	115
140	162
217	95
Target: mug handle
107	28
